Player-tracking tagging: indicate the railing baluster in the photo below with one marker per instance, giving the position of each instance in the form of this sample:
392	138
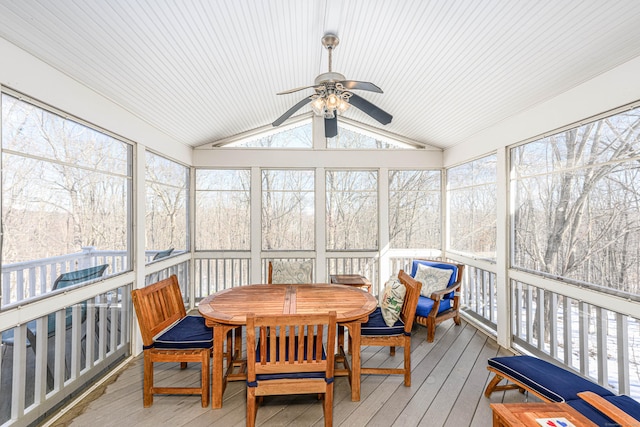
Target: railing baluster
553	325
584	337
622	340
601	344
566	329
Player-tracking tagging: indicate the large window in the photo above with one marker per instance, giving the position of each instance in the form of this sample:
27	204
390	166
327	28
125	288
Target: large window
414	209
223	214
577	203
472	207
350	137
352	210
65	194
288	210
166	206
295	136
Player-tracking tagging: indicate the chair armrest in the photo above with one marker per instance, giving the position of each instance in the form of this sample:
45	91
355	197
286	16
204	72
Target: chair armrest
437	295
608	408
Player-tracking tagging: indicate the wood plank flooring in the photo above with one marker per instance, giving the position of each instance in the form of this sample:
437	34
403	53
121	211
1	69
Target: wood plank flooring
448	380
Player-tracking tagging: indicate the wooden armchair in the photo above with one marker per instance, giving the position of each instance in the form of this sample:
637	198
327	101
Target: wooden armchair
289	358
290	272
375	331
440	304
169	335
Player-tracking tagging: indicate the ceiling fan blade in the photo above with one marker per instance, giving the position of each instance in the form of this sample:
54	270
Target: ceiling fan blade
353	84
370	109
294	90
331	127
291	110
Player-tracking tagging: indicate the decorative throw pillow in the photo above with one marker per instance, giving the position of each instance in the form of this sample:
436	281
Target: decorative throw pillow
392	299
432	279
291	272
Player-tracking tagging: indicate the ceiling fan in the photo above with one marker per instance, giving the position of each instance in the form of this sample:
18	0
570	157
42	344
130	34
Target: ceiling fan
333	95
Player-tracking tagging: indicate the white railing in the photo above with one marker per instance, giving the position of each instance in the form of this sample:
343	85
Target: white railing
50	358
598	343
479	295
32	279
213	273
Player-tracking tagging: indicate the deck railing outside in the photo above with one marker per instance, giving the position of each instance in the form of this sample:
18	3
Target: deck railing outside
33	279
598	343
46	360
479	295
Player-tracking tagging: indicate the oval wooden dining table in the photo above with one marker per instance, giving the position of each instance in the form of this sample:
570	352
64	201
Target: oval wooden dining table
224	311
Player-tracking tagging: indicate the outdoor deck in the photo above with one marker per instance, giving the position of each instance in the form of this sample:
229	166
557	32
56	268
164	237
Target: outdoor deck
448	380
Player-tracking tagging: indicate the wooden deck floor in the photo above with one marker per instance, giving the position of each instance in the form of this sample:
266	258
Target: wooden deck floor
448	380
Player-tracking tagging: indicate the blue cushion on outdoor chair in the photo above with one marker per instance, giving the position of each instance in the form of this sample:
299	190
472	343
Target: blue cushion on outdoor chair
626	403
288	375
376	325
435	264
592	413
553	382
426	304
188	332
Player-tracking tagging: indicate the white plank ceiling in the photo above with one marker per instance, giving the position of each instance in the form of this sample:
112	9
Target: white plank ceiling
203	71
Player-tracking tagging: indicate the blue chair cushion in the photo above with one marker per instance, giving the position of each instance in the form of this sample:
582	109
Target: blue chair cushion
425	305
188	332
627	404
376	325
592	413
288	375
551	381
435	264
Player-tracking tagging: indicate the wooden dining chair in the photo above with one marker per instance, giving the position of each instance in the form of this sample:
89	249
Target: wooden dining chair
290	272
287	356
375	332
169	335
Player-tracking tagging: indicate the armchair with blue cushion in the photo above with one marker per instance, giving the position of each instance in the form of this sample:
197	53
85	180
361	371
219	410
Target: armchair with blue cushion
440	294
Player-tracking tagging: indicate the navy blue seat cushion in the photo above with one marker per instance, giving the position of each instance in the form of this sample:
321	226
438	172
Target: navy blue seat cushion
286	375
627	404
425	305
590	412
376	325
551	381
188	332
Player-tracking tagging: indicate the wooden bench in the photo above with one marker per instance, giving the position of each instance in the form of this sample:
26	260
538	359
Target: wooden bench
169	335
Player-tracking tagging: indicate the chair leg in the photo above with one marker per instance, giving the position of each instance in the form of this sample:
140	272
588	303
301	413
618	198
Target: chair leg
183	365
431	330
328	406
251	407
205	377
147	388
407	362
392	350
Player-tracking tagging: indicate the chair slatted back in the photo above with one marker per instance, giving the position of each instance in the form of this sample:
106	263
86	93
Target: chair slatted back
291	344
158	306
410	303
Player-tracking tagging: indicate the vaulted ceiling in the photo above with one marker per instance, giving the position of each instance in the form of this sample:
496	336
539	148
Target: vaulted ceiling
203	71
